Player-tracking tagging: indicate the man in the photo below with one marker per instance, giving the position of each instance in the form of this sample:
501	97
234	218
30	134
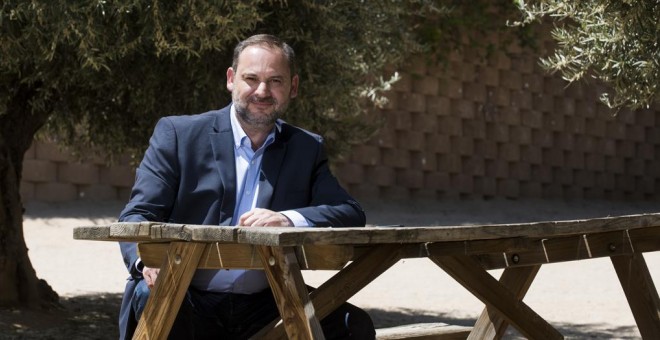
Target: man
237	166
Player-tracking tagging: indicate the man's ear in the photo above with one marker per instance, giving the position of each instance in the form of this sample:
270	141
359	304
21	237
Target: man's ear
294	87
230	79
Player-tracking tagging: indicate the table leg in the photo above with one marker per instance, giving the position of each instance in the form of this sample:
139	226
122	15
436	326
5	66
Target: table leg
168	293
343	285
491	325
641	293
286	281
469	273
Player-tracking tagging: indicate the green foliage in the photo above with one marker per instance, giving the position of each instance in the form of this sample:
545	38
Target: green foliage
103	71
616	41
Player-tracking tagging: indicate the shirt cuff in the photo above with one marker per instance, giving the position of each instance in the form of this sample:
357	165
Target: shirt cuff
296	218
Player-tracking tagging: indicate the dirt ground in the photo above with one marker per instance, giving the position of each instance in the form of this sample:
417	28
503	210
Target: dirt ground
582	299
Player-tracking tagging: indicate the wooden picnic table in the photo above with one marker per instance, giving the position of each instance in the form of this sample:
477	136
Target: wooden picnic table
360	255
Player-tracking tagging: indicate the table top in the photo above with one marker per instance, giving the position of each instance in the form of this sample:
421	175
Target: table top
289	236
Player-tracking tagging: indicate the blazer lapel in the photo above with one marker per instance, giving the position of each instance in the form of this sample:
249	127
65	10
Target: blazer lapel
222	143
270	170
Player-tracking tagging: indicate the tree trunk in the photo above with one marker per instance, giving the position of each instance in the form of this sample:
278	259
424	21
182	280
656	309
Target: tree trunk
19	285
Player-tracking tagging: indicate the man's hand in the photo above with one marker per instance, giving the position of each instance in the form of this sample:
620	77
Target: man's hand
150	275
264	218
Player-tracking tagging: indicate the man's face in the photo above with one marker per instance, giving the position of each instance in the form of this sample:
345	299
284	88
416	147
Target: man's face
261	86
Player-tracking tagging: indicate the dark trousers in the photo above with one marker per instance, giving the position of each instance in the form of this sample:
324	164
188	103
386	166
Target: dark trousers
209	315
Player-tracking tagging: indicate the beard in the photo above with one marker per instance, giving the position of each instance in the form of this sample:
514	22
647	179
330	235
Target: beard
259	119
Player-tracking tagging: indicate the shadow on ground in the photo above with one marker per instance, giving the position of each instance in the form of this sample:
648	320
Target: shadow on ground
95	317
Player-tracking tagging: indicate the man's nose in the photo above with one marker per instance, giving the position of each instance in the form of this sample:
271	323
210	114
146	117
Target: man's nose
262	90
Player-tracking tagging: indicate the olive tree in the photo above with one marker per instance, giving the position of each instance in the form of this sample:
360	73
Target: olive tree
615	41
98	73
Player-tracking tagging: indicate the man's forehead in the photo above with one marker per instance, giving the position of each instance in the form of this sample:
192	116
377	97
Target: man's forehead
255	54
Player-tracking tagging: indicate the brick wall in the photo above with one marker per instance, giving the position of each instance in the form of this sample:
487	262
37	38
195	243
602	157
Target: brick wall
475	128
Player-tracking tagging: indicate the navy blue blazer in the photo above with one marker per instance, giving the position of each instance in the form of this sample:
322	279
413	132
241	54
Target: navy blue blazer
188	175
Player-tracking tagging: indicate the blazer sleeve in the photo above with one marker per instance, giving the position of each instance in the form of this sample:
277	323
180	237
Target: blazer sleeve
155	186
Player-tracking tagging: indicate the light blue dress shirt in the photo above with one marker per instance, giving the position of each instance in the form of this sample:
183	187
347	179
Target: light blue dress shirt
248	168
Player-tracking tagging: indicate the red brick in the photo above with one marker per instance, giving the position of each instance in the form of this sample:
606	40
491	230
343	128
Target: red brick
451	126
501	96
597	127
594	162
410	178
55	192
553	157
497	132
521	99
508	188
386	138
511	80
437	180
425	85
489	76
531	189
450	88
497	168
543	102
98	192
396	158
366	154
424	122
436	143
350	172
475	92
78	173
51	152
532	119
474	166
585	108
532	83
486	186
462	146
486	149
531	154
509	152
464	183
439	106
381	175
463	108
543	138
121	176
413	102
404	84
541	173
37	170
449	163
553	122
475	129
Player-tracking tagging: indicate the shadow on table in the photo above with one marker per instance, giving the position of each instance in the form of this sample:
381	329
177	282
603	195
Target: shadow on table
388	318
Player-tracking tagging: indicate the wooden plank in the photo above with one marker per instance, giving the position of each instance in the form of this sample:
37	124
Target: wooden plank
296	236
339	288
230	255
561	249
641	293
468	273
491	325
165	300
424	331
290	292
287	236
